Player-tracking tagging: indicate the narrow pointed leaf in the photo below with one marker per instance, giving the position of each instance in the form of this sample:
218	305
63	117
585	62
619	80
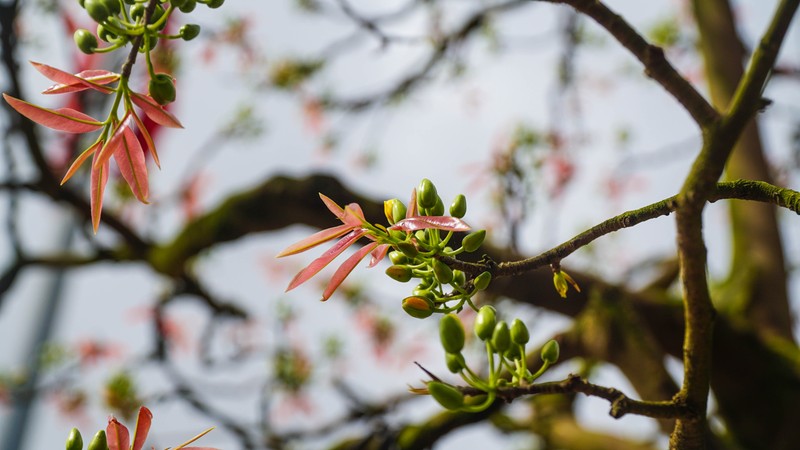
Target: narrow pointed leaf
412	204
80	160
184	445
143	422
98	186
344	270
117	435
67	82
130	159
326	258
437	222
113	144
315	239
62	119
76	82
378	254
353	215
154	111
151	146
333	207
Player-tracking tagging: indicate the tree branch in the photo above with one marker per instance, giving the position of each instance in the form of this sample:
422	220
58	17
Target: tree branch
652	57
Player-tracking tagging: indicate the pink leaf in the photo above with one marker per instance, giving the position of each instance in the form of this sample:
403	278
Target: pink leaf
130	159
326	258
151	146
67	82
412	204
353	215
113	144
154	111
437	222
80	160
337	210
98	185
378	254
315	240
344	270
117	435
62	119
142	428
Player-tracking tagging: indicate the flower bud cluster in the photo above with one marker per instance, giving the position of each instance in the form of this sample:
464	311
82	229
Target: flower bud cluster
121	21
505	351
419	253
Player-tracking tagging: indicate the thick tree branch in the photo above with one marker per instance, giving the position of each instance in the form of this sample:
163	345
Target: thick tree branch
621	404
740	189
652	57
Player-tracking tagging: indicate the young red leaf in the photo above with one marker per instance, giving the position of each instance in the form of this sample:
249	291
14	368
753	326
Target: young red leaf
80	160
326	258
117	435
110	147
154	111
67	82
130	159
151	146
437	222
143	422
412	204
344	270
62	119
333	207
315	239
378	254
98	186
353	215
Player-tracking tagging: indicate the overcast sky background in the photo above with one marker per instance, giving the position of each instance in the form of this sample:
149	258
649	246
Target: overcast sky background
442	132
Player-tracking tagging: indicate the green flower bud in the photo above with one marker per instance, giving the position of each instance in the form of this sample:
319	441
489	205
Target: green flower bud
473	240
85	41
519	332
105	34
459	278
482	281
513	352
426	194
418	306
157	14
188	6
550	352
451	333
97	10
443	272
485	322
459	206
137	11
407	248
438	209
162	89
398	257
501	337
98	441
455	362
398	211
447	396
214	4
399	273
560	284
178	3
189	31
113	6
74	440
